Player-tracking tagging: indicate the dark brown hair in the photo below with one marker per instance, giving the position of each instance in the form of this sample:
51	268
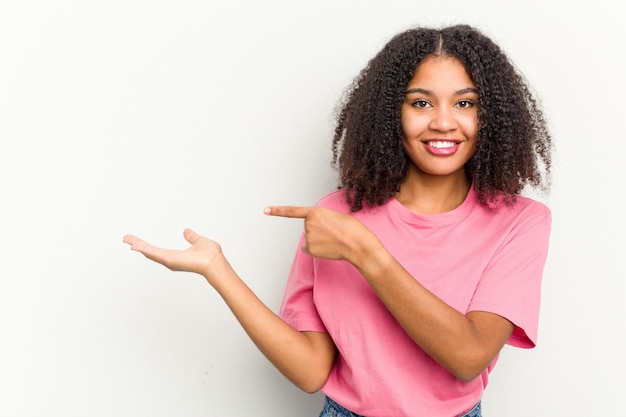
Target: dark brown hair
513	146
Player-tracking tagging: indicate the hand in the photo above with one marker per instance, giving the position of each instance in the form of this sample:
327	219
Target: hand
197	258
328	234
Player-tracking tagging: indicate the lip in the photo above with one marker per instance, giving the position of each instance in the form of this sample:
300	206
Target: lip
442	147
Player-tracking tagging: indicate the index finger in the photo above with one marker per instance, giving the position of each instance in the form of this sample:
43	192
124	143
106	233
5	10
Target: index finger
293	212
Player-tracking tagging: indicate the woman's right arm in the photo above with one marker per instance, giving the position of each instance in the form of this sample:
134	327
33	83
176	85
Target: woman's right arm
305	358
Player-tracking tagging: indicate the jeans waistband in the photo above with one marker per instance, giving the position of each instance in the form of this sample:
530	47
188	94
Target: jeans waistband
332	409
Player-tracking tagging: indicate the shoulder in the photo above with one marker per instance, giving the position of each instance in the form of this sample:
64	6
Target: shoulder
532	208
336	201
523	214
529	207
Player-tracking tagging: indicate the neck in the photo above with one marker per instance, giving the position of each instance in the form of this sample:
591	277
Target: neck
433	194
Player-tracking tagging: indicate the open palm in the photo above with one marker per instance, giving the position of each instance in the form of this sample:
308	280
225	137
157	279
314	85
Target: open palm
196	258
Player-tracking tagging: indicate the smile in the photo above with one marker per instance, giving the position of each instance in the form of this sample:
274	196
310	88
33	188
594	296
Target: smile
442	147
441	144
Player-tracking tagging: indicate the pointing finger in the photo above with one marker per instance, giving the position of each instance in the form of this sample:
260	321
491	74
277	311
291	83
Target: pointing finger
288	211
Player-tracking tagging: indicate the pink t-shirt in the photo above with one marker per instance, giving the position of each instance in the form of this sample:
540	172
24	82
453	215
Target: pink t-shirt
472	258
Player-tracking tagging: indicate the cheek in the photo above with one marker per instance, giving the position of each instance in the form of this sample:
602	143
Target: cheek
404	144
403	125
412	127
471	127
471	149
410	123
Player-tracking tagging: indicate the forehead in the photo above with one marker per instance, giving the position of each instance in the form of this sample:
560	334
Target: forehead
441	73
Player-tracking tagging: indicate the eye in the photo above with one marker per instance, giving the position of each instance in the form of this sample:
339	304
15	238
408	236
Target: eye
465	104
421	104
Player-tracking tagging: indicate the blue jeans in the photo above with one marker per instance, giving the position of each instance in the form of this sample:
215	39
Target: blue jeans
332	409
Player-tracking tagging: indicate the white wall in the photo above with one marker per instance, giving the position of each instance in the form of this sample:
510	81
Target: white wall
146	117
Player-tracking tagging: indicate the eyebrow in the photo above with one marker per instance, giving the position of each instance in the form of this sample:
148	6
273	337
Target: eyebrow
430	93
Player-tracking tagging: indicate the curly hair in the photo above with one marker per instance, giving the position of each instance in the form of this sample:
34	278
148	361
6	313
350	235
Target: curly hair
513	148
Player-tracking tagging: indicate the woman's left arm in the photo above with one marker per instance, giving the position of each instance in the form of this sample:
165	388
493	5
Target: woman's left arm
464	344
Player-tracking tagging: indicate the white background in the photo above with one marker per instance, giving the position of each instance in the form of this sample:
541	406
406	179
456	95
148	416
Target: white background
146	117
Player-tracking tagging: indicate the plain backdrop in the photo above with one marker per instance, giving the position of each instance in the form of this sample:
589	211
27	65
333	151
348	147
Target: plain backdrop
146	117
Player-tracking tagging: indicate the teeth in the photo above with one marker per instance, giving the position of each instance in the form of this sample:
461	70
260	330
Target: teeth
441	144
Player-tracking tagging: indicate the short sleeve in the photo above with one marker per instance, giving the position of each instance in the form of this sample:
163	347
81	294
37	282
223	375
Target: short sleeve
511	283
298	306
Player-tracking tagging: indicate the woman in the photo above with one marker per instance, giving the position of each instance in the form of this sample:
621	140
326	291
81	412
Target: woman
426	260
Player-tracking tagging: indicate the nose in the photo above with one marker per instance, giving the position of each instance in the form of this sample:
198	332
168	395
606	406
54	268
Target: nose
443	119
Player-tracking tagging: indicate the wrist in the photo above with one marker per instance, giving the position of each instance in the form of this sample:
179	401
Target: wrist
217	267
369	254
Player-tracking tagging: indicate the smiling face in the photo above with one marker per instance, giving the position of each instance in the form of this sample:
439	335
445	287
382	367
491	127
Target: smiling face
440	118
